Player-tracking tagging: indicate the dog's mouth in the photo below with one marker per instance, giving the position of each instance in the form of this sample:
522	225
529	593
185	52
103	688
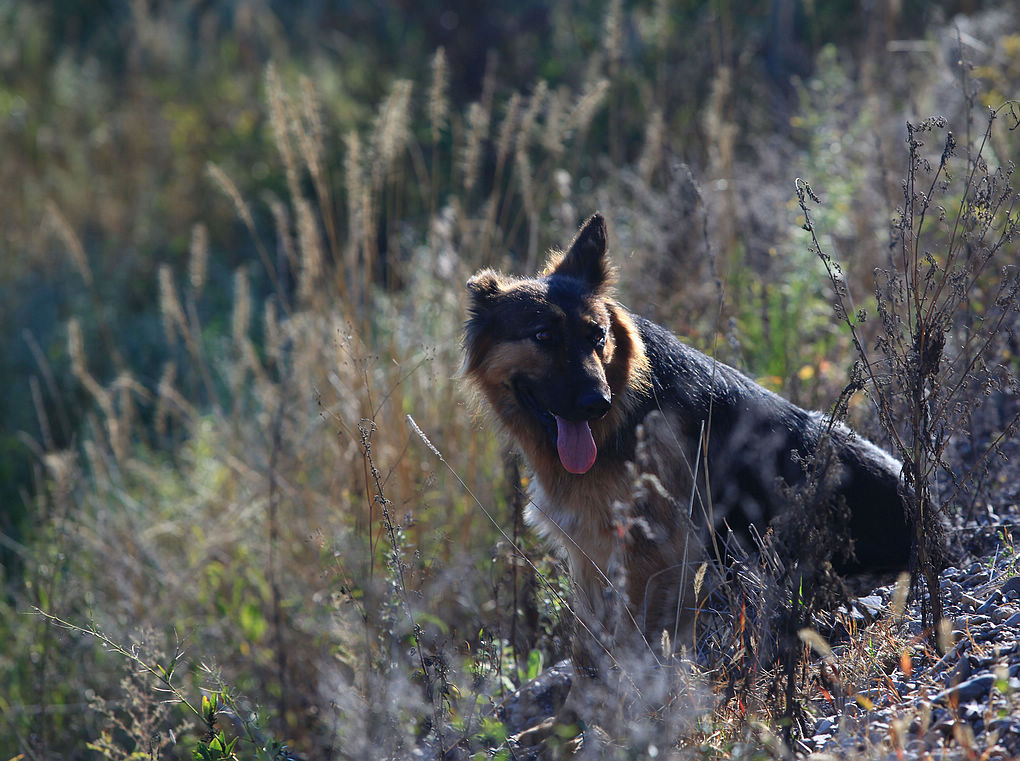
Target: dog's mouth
574	441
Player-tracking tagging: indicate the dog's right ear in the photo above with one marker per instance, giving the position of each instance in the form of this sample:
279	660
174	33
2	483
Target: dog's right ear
483	286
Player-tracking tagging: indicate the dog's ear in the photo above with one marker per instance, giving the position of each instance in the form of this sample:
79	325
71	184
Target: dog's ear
483	286
586	258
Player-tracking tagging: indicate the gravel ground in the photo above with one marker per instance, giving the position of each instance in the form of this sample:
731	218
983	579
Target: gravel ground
964	704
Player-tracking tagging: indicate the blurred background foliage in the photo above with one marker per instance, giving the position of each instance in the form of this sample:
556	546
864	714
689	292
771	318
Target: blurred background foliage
140	142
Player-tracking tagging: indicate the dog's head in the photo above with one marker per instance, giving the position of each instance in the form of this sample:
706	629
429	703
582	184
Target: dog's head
552	354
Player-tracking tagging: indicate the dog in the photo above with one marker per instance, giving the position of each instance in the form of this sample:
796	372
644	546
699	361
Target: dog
586	389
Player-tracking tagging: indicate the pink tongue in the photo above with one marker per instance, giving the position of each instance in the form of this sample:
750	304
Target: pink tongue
575	444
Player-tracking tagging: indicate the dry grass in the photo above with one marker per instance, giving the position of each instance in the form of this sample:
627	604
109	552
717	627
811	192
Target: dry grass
265	512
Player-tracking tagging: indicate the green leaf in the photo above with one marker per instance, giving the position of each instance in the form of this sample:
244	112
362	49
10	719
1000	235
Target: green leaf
493	729
252	621
209	703
536	663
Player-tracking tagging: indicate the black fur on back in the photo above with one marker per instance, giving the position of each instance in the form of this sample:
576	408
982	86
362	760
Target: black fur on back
757	441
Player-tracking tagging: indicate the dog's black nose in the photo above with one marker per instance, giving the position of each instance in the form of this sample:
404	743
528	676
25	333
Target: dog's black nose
593	404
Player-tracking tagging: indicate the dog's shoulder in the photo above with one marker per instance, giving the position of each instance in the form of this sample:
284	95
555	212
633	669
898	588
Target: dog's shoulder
684	378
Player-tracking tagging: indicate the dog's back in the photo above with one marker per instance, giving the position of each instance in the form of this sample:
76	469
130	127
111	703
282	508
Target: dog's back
758	443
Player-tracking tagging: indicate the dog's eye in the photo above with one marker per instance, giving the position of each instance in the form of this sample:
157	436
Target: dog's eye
598	337
543	335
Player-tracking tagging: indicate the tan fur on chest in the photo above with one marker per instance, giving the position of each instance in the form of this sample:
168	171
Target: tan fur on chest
576	512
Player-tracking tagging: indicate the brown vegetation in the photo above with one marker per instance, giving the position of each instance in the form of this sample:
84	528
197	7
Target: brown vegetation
212	472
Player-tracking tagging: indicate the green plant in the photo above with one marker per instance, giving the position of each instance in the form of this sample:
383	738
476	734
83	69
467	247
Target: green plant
139	723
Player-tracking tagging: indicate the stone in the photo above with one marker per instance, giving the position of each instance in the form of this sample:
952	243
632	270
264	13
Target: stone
972	689
988	604
1010	589
1007	615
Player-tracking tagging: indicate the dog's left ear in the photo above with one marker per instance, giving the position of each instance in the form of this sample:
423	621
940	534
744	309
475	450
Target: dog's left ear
586	258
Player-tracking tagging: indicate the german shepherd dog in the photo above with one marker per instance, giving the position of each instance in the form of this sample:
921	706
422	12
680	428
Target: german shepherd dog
586	389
